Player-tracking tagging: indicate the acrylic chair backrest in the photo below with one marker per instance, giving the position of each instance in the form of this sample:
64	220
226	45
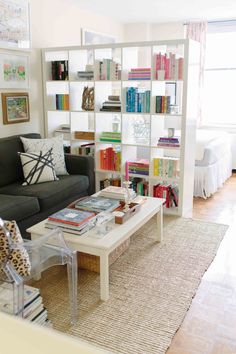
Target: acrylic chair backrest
47	251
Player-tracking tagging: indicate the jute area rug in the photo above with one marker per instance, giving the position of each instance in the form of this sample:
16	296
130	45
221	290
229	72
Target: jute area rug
151	289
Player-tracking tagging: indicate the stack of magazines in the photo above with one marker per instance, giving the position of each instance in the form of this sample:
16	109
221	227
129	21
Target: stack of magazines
71	220
34	310
119	193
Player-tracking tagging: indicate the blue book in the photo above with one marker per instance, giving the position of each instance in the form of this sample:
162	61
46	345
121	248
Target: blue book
71	216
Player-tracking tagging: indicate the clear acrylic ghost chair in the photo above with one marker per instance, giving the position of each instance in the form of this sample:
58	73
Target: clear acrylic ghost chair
44	252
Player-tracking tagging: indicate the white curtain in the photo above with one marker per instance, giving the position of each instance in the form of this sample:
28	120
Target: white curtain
197	31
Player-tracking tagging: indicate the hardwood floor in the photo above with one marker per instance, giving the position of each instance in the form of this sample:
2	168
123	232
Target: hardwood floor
210	324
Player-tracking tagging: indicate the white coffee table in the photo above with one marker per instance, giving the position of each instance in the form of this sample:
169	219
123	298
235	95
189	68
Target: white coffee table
104	245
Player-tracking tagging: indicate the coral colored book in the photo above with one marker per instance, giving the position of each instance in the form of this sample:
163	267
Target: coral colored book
71	216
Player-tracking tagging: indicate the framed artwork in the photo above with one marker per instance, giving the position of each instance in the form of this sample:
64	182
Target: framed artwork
171	90
15	107
14	71
89	37
14	24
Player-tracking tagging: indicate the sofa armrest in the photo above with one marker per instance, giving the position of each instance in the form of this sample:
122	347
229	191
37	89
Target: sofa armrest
81	165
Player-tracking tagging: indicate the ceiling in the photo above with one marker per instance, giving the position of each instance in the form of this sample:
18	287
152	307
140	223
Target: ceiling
162	10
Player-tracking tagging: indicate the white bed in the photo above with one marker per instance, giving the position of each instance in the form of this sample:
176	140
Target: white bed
213	162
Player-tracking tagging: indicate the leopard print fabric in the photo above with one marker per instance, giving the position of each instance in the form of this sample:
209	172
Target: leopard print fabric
19	257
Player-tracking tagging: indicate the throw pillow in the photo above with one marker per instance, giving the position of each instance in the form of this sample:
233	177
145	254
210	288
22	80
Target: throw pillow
17	256
56	143
37	167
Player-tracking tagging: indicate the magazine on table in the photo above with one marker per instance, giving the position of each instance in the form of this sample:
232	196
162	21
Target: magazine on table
73	217
97	204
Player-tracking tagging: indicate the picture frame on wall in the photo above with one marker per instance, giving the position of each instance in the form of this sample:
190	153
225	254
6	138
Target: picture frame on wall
15	107
15	33
90	37
14	71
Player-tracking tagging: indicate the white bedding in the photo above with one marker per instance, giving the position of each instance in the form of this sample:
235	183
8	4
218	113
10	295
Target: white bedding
213	162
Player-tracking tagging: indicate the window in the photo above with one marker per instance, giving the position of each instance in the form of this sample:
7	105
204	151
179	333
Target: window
220	75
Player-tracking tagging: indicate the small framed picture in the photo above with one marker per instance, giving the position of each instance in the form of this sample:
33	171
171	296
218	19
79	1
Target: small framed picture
15	107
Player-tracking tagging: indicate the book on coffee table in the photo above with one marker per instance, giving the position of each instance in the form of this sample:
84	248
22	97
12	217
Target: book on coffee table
116	193
97	204
73	217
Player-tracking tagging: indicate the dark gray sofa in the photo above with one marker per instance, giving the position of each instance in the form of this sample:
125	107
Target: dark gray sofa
31	204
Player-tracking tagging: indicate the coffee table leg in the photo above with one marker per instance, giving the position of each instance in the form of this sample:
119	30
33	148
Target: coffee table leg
160	224
104	277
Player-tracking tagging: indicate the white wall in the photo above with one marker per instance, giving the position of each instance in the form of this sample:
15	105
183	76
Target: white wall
54	23
154	31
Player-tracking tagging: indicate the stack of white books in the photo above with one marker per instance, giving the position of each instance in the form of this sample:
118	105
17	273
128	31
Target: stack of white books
117	193
34	310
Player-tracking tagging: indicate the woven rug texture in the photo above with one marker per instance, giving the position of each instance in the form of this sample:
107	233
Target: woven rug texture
151	288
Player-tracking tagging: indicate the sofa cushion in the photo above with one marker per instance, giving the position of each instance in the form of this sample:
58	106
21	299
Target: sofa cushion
37	167
50	193
10	164
55	143
17	207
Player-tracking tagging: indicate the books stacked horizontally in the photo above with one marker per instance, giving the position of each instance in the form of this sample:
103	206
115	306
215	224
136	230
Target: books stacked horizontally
71	220
113	104
116	193
163	104
139	74
110	137
97	204
34	309
86	75
62	102
169	192
168	142
139	167
166	167
137	100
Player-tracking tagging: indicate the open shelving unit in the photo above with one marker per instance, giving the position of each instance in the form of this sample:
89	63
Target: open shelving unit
131	71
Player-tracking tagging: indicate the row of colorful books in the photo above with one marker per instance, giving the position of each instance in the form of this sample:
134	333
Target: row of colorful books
139	74
171	66
115	181
110	159
166	167
168	142
137	100
59	70
34	310
163	104
139	167
139	185
87	149
110	137
170	192
62	102
108	69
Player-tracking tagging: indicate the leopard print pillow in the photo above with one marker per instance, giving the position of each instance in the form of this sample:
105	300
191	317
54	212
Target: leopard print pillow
18	257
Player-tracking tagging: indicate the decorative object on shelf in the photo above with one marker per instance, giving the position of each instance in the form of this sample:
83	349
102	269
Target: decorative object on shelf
14	71
174	109
15	24
88	99
171	132
116	124
15	107
141	130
